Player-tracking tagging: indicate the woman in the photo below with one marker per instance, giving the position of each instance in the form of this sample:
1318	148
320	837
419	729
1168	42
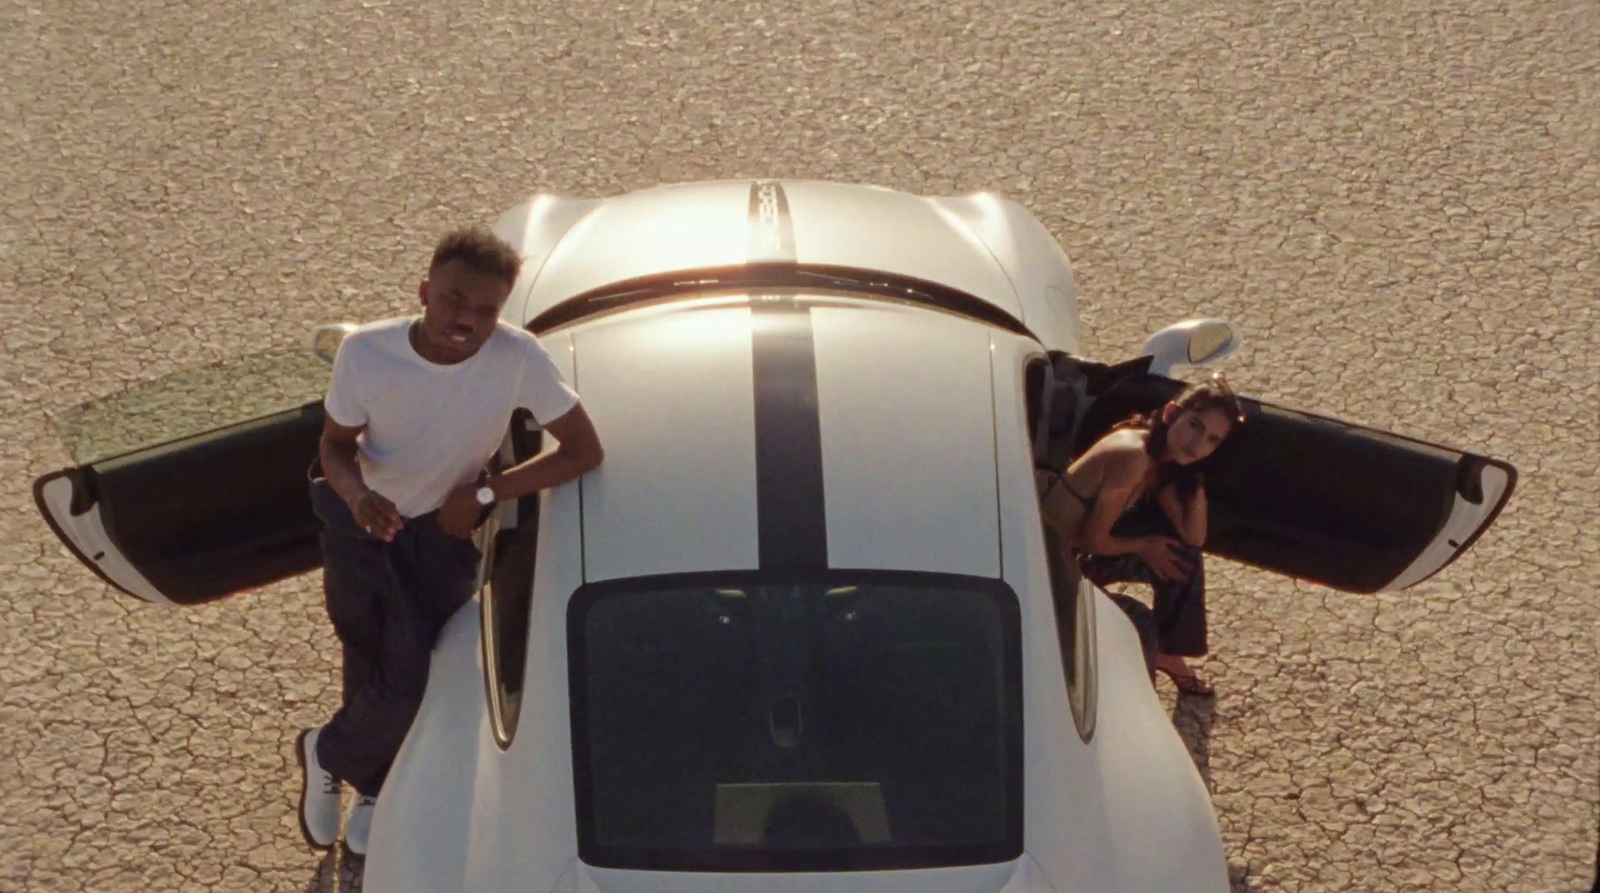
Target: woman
1147	468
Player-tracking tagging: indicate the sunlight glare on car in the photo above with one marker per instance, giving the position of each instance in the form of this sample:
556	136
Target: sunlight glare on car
700	326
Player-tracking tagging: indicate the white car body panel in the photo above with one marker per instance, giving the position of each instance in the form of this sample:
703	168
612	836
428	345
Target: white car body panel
1033	262
461	814
535	227
984	244
1062	807
895	501
87	533
639	516
846	226
640	234
1157	814
1465	517
701	370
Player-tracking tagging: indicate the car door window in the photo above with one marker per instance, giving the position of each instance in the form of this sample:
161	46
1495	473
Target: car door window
191	402
1074	610
506	599
191	487
1072	601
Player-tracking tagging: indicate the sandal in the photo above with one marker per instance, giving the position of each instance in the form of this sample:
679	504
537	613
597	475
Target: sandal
1189	683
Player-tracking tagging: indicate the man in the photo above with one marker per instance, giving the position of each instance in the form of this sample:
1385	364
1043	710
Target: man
415	409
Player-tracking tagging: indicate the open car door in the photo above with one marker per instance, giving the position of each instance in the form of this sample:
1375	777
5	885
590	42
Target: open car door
1317	498
194	487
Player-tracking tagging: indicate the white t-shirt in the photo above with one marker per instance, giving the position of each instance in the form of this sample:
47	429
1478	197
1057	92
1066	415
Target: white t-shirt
431	428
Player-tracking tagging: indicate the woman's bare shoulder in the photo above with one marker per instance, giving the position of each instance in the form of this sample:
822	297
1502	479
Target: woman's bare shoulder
1121	453
1121	442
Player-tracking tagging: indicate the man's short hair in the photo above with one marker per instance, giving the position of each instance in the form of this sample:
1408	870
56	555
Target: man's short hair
479	249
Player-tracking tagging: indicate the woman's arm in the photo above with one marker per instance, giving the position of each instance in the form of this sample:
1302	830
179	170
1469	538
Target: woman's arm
1195	516
1188	517
1158	552
1124	471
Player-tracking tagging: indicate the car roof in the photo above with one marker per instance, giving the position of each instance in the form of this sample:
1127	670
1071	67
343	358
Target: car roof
788	432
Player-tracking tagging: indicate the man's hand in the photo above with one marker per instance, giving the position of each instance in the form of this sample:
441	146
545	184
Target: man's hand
337	450
377	515
1161	553
458	517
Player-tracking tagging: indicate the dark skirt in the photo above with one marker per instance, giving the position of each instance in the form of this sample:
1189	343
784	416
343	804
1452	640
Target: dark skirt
1180	607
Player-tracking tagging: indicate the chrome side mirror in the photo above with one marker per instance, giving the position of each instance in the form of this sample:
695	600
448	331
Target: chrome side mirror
1192	342
324	341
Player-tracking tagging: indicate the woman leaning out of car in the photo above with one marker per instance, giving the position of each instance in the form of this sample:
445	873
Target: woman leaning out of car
1134	506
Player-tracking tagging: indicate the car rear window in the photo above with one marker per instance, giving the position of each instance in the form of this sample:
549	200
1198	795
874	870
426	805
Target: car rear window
851	721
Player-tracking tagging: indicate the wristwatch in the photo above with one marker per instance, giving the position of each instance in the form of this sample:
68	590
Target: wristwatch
485	496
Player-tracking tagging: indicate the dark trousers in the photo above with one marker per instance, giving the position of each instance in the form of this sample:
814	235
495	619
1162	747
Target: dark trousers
388	602
1180	607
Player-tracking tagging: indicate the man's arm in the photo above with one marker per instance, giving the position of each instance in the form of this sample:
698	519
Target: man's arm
339	465
577	452
338	452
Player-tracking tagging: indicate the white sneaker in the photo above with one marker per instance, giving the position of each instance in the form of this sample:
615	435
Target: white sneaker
358	826
319	794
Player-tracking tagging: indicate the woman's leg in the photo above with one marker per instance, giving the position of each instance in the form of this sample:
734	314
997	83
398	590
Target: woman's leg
1181	609
1180	612
1103	570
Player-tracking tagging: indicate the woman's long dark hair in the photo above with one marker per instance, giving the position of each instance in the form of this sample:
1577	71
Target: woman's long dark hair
1213	394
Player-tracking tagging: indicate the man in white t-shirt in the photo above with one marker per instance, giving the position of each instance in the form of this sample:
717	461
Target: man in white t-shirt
416	408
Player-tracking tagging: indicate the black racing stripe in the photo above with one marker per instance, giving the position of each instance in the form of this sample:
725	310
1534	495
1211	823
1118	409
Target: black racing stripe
792	527
771	227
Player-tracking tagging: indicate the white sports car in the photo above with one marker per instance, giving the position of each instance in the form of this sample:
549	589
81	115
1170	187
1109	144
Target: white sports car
805	629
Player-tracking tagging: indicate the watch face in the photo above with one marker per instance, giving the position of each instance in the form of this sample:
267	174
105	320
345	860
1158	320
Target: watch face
485	496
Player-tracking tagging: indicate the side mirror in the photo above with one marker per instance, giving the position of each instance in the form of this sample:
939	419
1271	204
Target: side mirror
324	341
1193	342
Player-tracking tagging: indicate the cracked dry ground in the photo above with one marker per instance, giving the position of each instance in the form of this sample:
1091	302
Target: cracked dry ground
1395	200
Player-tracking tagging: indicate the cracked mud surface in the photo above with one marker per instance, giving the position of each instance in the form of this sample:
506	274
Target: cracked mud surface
1396	201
